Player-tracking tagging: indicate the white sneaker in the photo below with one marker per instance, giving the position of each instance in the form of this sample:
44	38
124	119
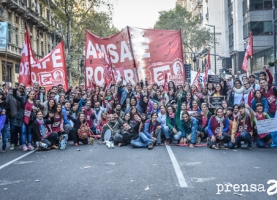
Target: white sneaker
12	147
112	145
108	144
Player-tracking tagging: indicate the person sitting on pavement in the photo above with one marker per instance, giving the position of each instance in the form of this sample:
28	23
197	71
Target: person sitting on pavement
218	127
242	128
188	128
114	124
42	133
263	139
152	127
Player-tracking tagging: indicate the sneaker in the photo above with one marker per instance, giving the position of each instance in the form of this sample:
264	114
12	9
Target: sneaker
12	147
108	144
250	147
150	146
112	145
24	148
3	149
167	141
30	147
76	144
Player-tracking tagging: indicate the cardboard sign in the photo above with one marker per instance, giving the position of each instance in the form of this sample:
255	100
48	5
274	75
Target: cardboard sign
215	102
267	125
214	79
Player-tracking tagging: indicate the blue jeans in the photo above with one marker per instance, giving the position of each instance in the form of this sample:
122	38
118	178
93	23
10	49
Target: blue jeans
177	136
4	136
26	132
244	136
261	142
141	141
166	132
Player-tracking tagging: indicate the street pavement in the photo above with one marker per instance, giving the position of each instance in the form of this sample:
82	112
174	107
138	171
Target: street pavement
96	172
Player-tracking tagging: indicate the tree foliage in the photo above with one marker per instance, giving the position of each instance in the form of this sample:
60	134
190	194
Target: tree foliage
179	18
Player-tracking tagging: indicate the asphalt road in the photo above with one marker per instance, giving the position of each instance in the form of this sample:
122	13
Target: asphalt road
96	172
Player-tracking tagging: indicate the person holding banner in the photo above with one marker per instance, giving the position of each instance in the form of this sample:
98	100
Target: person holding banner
270	93
242	128
263	138
218	128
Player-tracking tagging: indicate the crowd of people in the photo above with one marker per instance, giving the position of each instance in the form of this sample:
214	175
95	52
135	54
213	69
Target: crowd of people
140	115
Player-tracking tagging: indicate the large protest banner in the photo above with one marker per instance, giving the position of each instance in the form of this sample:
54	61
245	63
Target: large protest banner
136	54
158	52
51	70
119	50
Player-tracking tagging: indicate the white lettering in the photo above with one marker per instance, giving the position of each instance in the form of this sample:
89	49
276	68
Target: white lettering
270	190
56	57
114	55
253	188
34	77
91	51
44	63
220	188
158	73
261	188
98	70
244	186
236	187
129	76
125	52
89	74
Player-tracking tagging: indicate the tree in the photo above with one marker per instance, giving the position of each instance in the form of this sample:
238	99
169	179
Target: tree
193	36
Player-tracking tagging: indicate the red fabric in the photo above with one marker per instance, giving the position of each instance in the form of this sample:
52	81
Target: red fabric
88	114
270	96
27	112
247	126
216	126
196	81
55	127
165	82
152	52
270	77
248	53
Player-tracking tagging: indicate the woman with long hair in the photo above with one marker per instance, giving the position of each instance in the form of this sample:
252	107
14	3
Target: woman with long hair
225	105
171	86
211	89
236	94
95	98
195	106
258	98
57	125
170	96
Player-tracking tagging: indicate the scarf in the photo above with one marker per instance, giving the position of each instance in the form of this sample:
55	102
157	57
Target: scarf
220	121
240	90
172	115
247	91
242	117
41	127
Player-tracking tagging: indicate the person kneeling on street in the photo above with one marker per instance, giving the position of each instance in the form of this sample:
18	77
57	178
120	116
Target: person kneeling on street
242	128
131	131
42	133
189	127
81	131
217	129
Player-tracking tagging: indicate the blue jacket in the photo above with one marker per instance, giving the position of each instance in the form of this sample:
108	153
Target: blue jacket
147	127
190	130
264	102
123	94
225	130
81	104
65	119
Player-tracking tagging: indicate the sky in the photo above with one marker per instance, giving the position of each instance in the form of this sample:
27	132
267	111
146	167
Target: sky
139	13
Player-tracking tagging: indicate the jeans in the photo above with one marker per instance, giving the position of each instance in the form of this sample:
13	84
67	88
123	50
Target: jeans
14	130
141	141
51	140
26	132
166	132
93	129
177	136
225	139
244	136
261	142
4	136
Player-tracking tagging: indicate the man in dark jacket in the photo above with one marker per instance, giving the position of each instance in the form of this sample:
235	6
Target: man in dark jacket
4	106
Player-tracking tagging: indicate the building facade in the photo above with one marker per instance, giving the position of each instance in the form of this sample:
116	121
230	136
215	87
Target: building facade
42	23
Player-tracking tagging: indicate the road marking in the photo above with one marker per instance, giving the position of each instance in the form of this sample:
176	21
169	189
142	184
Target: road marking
179	174
11	162
201	180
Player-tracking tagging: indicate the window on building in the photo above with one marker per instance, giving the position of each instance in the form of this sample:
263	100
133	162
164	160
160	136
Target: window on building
10	16
29	3
245	6
38	47
41	48
48	15
261	28
245	31
229	2
17	20
231	40
7	71
10	34
16	38
261	4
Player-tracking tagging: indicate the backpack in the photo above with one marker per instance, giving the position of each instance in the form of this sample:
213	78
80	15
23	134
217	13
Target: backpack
63	141
83	131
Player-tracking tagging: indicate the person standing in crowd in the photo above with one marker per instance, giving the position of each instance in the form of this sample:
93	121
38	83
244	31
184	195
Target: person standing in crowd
5	108
236	95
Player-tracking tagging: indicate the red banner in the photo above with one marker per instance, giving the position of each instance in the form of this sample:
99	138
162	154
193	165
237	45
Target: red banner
118	47
157	52
136	54
208	65
248	53
26	58
51	70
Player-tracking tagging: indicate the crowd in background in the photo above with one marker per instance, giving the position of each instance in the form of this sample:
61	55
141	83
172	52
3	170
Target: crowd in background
141	115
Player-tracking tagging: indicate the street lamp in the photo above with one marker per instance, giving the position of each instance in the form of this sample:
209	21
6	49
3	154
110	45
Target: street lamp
214	46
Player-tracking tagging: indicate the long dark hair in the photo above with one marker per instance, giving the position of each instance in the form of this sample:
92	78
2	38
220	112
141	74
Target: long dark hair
174	87
53	109
260	99
60	114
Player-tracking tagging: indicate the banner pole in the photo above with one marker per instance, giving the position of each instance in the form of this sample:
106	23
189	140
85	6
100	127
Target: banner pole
181	45
130	41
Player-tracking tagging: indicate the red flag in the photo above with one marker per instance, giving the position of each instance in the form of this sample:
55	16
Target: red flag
26	60
108	70
208	65
166	82
196	81
248	53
